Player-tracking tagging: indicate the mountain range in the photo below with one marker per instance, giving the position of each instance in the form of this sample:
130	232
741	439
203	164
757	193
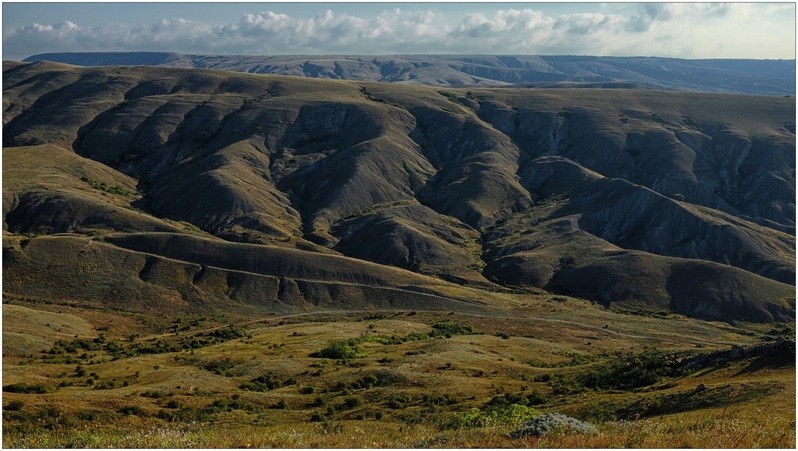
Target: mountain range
764	77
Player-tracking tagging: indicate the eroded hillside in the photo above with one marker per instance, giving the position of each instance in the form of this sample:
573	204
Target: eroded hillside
217	186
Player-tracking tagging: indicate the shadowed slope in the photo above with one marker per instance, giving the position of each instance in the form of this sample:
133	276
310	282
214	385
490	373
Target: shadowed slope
624	197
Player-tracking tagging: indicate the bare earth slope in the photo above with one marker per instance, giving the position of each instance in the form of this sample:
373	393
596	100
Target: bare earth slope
631	198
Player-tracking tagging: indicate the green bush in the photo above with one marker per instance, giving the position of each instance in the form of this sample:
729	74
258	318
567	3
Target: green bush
115	189
227	333
629	371
261	383
220	366
566	384
344	349
450	328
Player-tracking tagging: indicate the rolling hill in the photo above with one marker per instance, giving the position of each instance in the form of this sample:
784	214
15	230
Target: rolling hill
766	77
163	189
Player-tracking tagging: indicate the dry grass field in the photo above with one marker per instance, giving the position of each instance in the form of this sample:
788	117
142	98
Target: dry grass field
390	379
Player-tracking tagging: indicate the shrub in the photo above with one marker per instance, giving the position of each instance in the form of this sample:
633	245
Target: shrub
306	390
279	405
344	349
629	371
102	186
172	404
552	422
28	389
14	405
264	382
318	417
491	414
131	410
228	333
220	366
449	328
565	384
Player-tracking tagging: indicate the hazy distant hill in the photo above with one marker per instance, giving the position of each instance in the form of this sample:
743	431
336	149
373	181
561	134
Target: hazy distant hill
187	185
767	77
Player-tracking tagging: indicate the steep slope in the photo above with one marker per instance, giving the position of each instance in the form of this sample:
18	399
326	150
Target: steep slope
671	201
53	190
769	77
212	278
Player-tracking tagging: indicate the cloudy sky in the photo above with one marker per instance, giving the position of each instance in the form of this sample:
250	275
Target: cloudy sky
683	30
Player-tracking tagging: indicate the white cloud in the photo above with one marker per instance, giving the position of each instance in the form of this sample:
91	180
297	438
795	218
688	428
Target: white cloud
692	30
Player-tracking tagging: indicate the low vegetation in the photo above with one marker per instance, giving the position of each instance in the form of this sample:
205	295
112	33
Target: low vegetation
102	186
414	379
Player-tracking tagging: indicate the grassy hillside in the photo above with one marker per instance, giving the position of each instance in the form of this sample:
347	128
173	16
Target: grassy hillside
452	184
210	259
395	378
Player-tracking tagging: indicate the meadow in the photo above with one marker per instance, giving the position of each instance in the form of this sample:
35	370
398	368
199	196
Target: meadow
394	379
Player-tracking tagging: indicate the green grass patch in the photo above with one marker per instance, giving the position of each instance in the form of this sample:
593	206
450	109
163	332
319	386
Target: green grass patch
102	186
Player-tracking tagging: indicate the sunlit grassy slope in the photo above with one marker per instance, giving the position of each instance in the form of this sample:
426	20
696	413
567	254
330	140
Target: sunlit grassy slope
413	378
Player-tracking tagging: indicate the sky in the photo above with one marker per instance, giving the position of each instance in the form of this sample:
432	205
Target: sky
680	30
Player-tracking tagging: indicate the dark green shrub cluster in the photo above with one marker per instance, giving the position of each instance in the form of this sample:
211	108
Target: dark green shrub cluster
49	418
349	349
534	398
14	405
400	401
630	371
27	388
189	414
156	394
566	384
380	378
393	339
450	328
115	189
220	366
349	403
434	401
119	350
622	372
318	417
266	382
132	410
226	334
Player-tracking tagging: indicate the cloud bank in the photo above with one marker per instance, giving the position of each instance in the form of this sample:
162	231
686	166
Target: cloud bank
685	30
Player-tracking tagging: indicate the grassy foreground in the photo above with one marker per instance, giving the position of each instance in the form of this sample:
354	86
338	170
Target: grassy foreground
390	379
